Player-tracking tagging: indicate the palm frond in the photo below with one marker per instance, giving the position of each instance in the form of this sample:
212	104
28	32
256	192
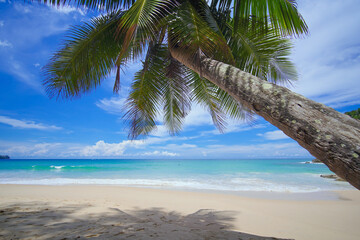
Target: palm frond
222	13
189	32
216	25
108	5
265	55
176	96
232	108
205	94
282	15
142	20
144	99
141	23
88	56
250	36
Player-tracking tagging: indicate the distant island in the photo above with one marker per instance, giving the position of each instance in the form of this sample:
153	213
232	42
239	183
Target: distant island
354	114
4	157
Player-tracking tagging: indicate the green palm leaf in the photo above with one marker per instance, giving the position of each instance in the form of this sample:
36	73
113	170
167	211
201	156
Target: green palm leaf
282	15
189	32
250	37
143	102
88	56
176	96
262	54
108	5
205	94
232	108
141	23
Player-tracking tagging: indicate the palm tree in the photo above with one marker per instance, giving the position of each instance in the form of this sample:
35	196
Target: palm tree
227	55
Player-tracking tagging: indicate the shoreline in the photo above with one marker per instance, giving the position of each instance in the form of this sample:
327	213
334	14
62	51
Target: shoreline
142	212
259	194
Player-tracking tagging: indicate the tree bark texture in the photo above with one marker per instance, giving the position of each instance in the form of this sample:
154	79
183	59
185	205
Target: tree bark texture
328	135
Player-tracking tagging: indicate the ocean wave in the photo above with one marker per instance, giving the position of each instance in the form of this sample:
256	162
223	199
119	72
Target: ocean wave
83	168
56	167
232	185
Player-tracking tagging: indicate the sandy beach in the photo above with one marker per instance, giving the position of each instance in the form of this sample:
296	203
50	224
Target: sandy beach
113	212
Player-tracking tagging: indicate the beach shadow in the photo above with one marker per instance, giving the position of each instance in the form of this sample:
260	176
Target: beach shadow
38	220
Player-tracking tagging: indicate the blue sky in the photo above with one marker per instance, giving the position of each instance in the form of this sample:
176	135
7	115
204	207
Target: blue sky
33	126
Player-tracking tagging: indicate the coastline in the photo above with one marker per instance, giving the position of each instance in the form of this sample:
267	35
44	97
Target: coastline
173	214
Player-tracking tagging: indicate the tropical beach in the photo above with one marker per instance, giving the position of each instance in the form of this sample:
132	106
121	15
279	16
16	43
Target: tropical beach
180	119
174	199
113	212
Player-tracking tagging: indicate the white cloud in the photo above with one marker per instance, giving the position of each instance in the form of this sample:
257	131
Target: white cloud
5	43
274	135
20	71
233	127
149	148
160	131
113	105
198	117
256	150
26	124
102	148
329	59
26	28
2	1
37	65
32	150
66	9
178	147
158	153
125	148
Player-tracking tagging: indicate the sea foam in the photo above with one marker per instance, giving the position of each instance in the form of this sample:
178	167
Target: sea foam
234	185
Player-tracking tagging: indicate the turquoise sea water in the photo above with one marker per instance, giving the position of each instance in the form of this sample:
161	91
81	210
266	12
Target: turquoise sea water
277	175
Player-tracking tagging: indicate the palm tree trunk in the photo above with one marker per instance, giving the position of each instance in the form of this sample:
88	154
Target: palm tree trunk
328	135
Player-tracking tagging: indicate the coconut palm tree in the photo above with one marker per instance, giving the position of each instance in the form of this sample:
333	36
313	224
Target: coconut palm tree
227	55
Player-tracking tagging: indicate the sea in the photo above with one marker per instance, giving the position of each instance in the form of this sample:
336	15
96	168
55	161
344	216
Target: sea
272	175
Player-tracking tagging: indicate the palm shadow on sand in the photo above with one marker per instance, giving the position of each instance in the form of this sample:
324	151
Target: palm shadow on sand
38	220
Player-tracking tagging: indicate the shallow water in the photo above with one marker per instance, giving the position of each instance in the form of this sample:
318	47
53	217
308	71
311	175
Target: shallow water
277	175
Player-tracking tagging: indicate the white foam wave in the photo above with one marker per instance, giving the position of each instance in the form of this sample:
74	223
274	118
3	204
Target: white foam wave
310	162
56	167
233	185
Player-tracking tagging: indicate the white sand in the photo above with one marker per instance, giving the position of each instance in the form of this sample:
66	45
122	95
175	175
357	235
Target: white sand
112	212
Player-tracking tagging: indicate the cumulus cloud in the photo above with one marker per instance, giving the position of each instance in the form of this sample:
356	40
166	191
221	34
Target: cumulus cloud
150	148
126	148
32	150
123	148
26	124
329	59
108	149
274	135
